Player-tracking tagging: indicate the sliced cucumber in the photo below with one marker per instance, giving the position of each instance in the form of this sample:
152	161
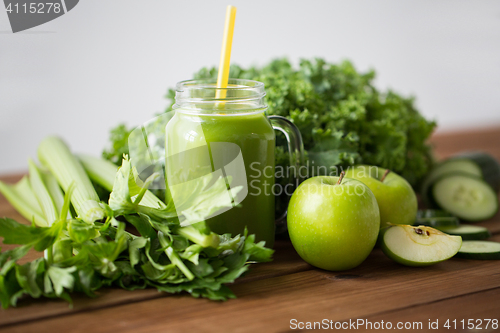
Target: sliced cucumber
455	164
489	166
465	196
475	163
467	232
436	218
480	250
448	166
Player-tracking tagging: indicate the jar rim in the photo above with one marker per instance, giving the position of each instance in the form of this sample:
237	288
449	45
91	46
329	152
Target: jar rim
237	84
202	96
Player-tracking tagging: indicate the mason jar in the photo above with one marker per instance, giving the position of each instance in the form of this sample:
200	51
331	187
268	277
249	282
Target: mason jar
226	134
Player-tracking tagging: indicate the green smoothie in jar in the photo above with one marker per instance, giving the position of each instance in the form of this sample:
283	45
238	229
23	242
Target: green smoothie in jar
229	136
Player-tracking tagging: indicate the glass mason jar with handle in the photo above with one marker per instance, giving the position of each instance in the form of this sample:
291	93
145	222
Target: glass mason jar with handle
226	132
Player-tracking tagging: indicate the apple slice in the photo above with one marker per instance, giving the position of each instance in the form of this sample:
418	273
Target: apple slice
418	246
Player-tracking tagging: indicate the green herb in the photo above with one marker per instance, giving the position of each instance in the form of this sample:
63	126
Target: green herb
173	252
119	144
343	118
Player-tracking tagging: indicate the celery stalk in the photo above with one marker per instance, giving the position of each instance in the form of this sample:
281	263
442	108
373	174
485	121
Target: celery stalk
100	171
24	190
173	256
103	173
56	156
42	194
44	199
54	189
21	197
194	235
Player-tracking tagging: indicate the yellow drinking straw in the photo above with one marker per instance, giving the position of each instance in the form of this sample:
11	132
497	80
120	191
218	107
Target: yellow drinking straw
225	56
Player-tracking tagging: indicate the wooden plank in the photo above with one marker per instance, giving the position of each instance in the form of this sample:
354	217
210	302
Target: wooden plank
480	305
286	261
448	143
377	286
12	178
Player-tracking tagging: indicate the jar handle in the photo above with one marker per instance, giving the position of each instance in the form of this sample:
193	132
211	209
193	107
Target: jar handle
296	152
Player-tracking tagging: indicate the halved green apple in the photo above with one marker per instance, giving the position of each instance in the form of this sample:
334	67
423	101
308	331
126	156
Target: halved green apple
418	245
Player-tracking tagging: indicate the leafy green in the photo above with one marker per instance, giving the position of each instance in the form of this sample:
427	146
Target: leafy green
344	119
167	255
119	146
39	238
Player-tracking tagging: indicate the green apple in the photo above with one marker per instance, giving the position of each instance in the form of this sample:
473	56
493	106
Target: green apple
396	199
333	223
418	246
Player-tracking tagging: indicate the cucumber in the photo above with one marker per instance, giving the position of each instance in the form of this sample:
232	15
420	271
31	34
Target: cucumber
467	232
443	168
436	218
468	197
476	163
479	250
490	166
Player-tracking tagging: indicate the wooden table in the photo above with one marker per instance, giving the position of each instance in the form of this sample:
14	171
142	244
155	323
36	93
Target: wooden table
273	294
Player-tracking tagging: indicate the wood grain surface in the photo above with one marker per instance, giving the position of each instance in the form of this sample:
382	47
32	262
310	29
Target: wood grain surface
273	294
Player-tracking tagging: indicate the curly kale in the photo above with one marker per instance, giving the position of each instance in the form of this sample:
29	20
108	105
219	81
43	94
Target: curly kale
119	144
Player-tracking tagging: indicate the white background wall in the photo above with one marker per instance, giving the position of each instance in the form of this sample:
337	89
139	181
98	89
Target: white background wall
111	61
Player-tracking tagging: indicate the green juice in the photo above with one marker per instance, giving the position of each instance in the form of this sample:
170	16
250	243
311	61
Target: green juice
254	137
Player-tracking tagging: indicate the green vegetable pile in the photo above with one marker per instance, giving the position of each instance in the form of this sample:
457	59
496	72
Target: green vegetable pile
343	118
88	243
